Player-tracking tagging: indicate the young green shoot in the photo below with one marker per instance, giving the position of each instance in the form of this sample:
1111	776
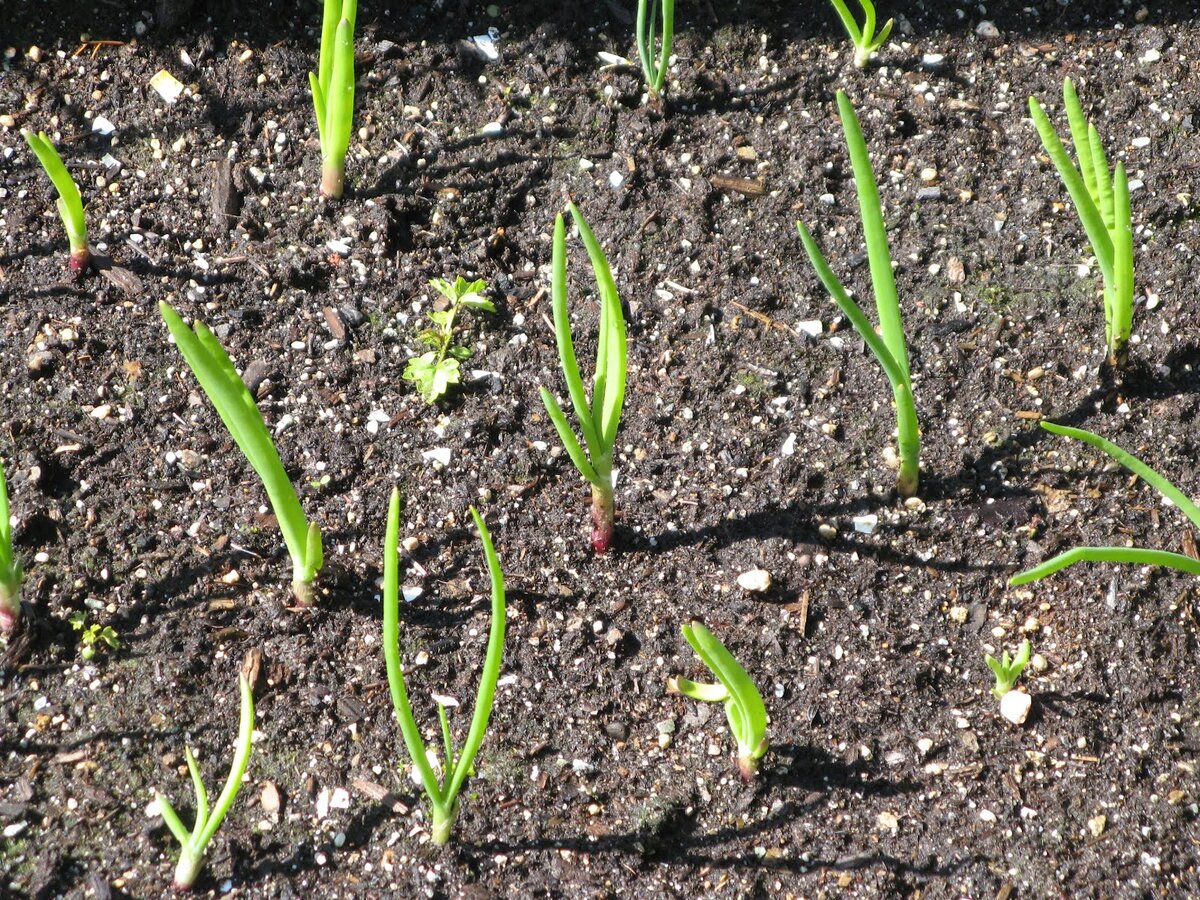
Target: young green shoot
93	637
655	66
228	393
193	844
598	420
1008	669
891	349
743	704
443	792
10	568
865	40
333	92
1102	202
434	371
1133	555
69	203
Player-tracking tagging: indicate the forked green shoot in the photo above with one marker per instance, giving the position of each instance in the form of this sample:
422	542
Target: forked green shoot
193	844
1102	202
599	419
655	66
891	349
865	40
333	92
743	703
1133	555
10	568
69	203
1008	669
457	765
228	394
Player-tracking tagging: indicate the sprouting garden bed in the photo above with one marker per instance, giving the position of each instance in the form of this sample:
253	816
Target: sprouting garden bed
753	438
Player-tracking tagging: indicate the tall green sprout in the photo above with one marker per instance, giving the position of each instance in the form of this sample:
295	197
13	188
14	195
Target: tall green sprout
655	67
228	393
865	40
598	420
193	844
333	92
10	567
1133	555
69	203
443	793
891	349
1103	207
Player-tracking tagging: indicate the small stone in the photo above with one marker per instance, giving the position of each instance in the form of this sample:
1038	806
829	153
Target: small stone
827	531
438	455
888	821
987	30
929	193
811	327
1150	56
1141	142
933	61
929	174
270	799
755	581
959	614
492	129
1097	824
103	411
924	745
986	815
1015	705
866	524
615	180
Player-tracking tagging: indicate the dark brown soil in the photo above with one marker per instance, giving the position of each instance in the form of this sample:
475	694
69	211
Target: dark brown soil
891	772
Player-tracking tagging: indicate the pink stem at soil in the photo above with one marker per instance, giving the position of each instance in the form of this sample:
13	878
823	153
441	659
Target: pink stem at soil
10	615
80	259
602	519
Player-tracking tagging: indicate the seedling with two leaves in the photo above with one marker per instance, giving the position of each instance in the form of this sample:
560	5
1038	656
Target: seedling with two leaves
1133	555
743	703
333	92
890	349
865	40
442	793
434	371
69	203
11	573
1102	202
194	844
1008	669
599	419
228	393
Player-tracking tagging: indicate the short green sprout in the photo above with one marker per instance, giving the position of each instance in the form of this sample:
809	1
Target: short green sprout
599	420
443	794
93	637
434	371
192	846
655	67
1103	208
333	92
1133	555
1008	669
743	704
891	349
228	393
865	40
69	203
10	568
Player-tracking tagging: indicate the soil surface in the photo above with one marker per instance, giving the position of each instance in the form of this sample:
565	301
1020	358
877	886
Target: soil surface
754	437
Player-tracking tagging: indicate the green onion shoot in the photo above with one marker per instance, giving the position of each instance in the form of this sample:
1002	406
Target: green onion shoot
193	844
890	349
598	420
1132	555
865	40
333	92
442	793
1102	202
10	567
743	703
69	203
655	66
228	393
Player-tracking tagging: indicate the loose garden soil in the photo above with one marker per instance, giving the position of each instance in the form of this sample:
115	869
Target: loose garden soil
747	443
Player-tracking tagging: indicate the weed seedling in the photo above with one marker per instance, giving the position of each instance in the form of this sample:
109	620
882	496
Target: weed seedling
865	40
434	371
193	845
1102	203
93	637
228	393
598	420
333	92
891	349
1134	555
69	203
443	793
743	703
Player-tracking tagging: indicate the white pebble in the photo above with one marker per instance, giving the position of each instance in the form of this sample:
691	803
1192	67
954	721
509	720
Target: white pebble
756	580
1015	705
